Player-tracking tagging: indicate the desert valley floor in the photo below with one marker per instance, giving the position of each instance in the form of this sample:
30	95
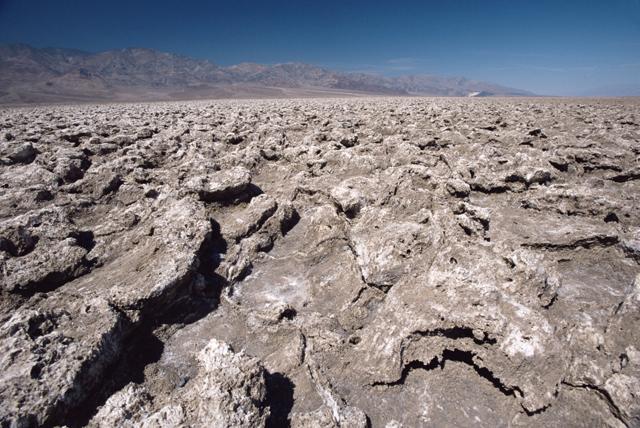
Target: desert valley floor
385	262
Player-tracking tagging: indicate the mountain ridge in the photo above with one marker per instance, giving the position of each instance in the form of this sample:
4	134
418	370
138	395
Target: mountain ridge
29	74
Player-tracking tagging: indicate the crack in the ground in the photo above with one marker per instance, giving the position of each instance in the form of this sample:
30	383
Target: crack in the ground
590	242
139	344
604	396
352	249
623	178
458	355
457	333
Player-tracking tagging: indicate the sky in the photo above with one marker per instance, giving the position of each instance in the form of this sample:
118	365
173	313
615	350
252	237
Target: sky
561	47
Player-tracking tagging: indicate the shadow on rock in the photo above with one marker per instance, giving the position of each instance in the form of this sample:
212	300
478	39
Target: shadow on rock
279	399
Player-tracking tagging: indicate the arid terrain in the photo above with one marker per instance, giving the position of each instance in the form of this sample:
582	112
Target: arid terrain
384	262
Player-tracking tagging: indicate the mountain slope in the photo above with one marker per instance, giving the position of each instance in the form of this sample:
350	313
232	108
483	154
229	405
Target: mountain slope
29	74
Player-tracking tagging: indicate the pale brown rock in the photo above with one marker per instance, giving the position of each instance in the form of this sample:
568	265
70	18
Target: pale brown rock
321	263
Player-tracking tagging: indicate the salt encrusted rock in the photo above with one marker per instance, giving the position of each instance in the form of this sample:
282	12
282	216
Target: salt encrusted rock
26	153
458	188
220	185
228	391
384	262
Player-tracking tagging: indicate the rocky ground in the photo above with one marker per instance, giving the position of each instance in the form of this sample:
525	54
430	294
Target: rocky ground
321	263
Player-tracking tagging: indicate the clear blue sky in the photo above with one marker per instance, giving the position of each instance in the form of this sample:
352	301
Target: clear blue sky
563	47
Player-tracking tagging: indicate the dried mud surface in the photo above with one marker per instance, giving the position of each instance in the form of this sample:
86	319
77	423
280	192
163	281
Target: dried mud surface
321	263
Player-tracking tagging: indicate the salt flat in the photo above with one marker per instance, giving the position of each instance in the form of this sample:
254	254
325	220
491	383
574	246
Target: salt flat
321	262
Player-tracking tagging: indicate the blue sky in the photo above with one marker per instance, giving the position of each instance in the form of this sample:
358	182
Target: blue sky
550	47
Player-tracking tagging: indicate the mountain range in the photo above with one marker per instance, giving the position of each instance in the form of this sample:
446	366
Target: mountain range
34	75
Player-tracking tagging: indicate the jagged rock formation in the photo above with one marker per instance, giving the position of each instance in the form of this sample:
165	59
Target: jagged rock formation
392	262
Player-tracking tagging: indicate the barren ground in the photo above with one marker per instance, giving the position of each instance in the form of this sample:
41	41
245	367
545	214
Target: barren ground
331	262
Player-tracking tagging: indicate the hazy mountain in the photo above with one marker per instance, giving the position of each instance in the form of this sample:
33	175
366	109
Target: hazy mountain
29	74
452	86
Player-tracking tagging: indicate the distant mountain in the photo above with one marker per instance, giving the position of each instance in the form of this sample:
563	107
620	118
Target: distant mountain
29	75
